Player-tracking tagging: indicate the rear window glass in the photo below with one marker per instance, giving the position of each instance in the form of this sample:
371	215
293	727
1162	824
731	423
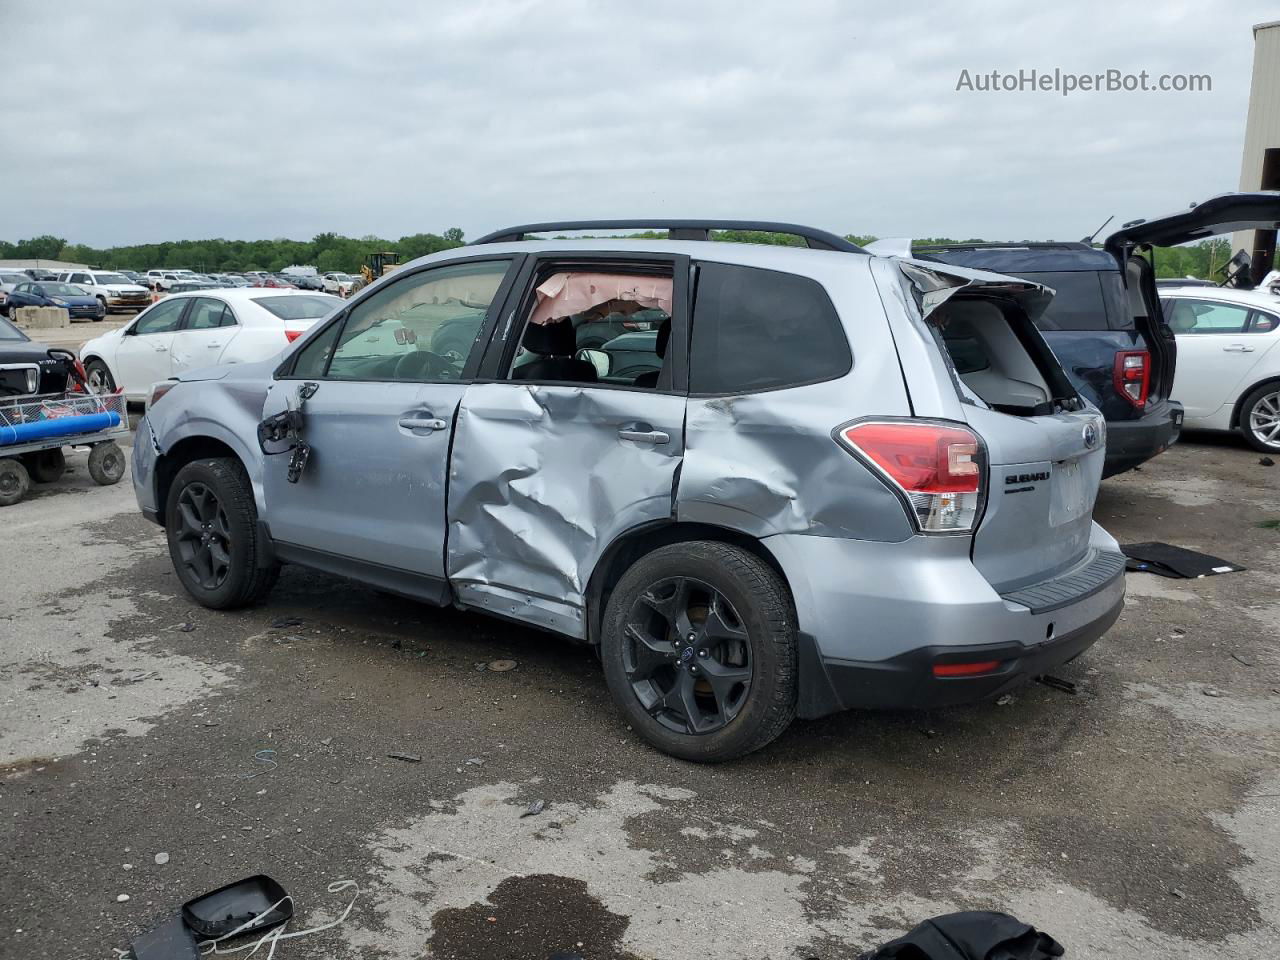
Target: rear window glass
298	308
759	329
1085	300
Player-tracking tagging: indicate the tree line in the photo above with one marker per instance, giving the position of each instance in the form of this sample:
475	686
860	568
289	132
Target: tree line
330	251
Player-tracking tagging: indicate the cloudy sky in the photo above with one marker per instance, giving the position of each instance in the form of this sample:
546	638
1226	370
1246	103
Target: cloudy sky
129	122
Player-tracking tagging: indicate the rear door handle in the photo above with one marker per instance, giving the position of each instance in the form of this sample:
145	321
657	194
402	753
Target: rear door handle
215	343
422	423
1237	348
644	436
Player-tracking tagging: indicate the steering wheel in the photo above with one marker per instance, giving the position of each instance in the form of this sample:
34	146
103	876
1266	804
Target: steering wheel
425	364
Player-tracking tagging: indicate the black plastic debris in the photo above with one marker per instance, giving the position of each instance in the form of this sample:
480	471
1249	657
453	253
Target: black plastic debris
1266	462
1057	683
970	935
172	940
406	757
1166	560
231	907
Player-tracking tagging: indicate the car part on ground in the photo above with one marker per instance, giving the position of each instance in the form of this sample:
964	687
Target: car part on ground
810	476
1167	560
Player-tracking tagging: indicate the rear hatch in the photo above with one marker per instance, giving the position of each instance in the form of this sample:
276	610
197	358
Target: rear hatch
1044	445
1225	213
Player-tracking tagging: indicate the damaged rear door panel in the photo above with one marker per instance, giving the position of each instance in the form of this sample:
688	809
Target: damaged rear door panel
546	476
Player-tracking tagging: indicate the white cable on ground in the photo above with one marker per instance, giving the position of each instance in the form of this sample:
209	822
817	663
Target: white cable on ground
276	934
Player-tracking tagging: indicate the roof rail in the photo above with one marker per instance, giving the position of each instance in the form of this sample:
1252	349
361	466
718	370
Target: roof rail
1006	245
681	230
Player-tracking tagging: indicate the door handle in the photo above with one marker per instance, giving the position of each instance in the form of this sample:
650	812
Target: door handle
1237	348
422	423
213	344
644	436
161	348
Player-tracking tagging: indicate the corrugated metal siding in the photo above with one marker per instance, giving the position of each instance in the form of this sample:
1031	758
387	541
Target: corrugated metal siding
1262	128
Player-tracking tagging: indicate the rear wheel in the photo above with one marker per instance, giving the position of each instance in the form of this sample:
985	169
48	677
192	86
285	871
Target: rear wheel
46	466
1260	418
212	527
699	651
106	463
14	481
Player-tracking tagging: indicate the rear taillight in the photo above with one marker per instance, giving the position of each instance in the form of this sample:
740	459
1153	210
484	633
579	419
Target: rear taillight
937	468
292	335
975	668
1132	376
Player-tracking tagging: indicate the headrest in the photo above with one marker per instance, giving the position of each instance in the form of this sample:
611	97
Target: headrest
555	338
664	338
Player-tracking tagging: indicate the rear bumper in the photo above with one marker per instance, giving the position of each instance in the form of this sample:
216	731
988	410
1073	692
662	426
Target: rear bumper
1134	442
874	619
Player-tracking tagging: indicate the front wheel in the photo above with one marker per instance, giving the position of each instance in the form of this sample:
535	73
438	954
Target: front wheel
699	651
100	379
1260	418
212	527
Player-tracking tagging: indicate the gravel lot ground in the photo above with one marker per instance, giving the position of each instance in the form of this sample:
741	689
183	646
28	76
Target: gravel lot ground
1138	818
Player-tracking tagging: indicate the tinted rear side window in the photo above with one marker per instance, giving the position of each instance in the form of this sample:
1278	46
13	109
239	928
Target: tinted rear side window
1085	300
761	330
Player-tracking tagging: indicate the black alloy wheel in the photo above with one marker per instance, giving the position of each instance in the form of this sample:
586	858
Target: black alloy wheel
686	655
203	535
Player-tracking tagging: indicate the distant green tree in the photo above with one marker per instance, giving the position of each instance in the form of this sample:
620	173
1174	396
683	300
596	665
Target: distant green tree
44	247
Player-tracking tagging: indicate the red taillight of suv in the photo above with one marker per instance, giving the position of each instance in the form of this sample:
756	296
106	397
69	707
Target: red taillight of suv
936	467
1132	376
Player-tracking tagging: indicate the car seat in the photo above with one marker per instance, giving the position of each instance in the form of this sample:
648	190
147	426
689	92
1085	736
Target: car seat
556	343
650	377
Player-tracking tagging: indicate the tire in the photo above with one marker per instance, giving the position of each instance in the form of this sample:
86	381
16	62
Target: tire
46	466
106	463
99	375
1260	418
752	608
224	531
14	481
106	309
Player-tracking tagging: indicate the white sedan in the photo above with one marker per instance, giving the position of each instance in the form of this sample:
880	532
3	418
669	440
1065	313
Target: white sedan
1228	372
200	328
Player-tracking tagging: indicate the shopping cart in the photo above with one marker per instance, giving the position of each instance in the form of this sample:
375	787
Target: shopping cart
34	430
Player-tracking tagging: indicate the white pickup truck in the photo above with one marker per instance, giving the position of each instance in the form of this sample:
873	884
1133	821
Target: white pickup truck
116	291
164	279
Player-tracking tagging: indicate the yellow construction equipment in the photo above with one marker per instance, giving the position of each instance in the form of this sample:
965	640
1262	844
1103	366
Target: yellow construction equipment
379	265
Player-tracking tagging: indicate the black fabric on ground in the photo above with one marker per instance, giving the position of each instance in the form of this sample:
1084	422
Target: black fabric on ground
1167	560
970	935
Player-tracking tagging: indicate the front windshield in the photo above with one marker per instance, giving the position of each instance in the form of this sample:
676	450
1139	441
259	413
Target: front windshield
61	290
9	332
111	278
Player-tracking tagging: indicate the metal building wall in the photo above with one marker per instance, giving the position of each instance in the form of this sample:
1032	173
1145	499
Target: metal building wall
1262	129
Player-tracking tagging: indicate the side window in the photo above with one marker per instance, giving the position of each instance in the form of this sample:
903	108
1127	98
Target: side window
595	326
314	357
1203	316
80	278
1263	322
162	318
759	329
206	314
421	327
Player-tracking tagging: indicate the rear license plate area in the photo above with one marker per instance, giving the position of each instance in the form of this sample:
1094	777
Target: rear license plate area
1069	498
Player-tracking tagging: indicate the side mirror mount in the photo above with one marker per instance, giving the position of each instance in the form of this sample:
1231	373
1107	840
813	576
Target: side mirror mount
598	359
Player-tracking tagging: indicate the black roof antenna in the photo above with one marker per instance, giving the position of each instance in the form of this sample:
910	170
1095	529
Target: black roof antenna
1089	239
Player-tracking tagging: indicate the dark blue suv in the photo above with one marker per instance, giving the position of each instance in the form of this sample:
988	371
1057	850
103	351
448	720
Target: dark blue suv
1122	359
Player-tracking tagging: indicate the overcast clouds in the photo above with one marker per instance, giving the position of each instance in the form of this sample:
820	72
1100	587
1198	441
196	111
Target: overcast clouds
133	122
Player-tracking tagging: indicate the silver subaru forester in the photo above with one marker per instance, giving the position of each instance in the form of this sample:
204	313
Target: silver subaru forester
764	481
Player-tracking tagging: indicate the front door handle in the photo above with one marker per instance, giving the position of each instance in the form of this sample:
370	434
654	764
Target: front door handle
1237	348
422	423
644	436
215	343
161	348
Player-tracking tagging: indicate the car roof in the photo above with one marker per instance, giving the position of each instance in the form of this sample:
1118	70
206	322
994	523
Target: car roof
244	294
1257	298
